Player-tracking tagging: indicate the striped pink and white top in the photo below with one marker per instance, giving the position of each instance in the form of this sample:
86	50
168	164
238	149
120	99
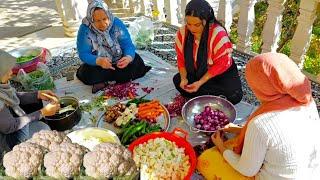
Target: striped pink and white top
219	49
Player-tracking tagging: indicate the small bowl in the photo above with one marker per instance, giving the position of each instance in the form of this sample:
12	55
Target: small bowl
67	122
30	64
196	106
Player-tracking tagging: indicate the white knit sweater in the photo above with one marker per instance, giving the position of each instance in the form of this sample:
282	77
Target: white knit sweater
281	145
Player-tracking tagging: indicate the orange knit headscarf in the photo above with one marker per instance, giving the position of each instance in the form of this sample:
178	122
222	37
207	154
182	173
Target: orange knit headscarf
278	84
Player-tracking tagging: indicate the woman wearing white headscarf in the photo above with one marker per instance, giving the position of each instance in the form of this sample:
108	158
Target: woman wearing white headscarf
20	112
105	47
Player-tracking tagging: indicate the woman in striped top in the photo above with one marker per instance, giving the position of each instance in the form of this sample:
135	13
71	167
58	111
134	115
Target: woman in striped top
204	56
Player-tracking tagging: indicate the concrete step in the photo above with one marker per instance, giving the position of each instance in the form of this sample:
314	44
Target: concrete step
120	10
122	15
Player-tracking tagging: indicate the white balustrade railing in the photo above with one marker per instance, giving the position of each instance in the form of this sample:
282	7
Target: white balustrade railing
172	11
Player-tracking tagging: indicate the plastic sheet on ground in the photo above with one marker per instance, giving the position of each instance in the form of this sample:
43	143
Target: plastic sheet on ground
160	78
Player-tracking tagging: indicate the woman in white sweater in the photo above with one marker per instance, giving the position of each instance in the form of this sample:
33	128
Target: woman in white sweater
280	139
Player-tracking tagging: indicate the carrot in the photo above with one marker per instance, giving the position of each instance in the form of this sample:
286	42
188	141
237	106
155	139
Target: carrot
150	110
131	96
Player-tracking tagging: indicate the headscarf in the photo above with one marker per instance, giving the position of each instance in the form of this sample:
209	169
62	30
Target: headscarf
8	94
278	83
105	42
7	62
203	10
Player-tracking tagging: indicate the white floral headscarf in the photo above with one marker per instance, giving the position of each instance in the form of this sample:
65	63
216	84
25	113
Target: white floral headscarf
105	42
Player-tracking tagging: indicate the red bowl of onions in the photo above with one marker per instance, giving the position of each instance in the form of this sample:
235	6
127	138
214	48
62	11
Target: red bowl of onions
208	113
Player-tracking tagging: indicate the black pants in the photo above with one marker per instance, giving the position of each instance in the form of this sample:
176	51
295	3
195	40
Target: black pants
90	75
227	84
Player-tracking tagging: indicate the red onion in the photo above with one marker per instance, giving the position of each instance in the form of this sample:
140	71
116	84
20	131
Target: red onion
122	91
210	119
175	107
147	89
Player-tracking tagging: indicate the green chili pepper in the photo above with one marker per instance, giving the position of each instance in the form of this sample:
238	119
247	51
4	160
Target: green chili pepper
133	131
126	133
138	101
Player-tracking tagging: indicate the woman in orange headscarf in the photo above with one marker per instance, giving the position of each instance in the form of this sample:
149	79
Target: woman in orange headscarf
276	142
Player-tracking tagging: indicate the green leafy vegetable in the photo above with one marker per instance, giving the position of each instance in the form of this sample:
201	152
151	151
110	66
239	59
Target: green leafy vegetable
137	101
22	59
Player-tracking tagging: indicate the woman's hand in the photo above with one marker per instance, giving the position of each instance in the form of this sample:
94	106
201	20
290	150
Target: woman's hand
183	83
48	95
50	109
232	128
123	62
105	63
217	140
194	87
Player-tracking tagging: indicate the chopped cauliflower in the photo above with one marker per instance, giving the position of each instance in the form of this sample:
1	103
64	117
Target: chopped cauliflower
108	160
48	138
24	161
161	159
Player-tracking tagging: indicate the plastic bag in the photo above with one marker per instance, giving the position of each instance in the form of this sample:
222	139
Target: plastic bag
40	79
142	32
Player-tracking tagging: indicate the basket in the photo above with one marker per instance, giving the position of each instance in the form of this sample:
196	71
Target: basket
181	142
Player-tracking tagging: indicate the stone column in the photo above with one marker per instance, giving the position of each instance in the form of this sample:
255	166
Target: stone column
142	7
183	6
302	36
245	24
171	11
272	28
71	13
183	9
225	13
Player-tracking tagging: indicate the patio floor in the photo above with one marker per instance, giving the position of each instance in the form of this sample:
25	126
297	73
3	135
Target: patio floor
163	46
45	30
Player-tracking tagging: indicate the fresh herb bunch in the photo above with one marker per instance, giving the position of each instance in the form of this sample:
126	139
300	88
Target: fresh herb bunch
97	102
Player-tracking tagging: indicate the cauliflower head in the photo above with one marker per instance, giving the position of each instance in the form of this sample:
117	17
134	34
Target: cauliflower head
48	138
108	160
69	147
62	164
24	161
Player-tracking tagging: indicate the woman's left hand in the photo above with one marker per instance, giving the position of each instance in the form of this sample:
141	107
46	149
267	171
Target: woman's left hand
194	87
48	95
217	140
123	62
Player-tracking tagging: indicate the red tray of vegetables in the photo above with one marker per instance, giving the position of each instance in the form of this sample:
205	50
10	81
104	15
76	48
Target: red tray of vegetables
173	136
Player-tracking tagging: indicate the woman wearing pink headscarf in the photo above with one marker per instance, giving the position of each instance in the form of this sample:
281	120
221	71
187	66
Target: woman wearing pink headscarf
277	141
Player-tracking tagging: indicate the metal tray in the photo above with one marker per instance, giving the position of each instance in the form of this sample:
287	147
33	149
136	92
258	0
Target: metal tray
163	121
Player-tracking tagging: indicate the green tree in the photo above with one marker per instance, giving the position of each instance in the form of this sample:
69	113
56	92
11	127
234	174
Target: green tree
289	25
